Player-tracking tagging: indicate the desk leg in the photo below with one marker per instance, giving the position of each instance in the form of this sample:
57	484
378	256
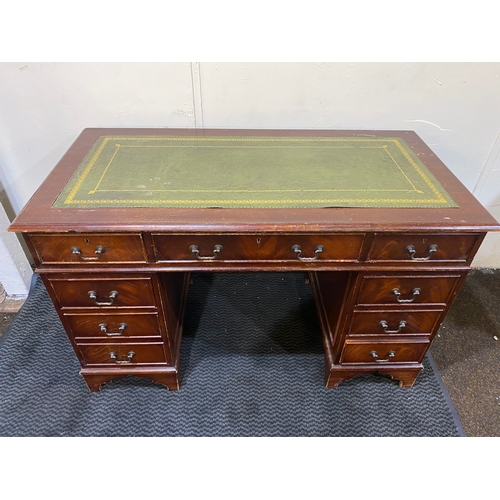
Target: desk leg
334	374
165	376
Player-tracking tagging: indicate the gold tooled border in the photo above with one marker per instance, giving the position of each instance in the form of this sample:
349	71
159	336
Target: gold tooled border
440	199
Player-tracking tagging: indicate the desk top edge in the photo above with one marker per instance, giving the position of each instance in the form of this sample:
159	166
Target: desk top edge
39	216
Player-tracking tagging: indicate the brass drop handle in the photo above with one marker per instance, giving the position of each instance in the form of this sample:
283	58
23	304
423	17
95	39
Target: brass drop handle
112	296
411	250
298	251
114	357
99	250
196	251
374	355
385	326
121	329
397	293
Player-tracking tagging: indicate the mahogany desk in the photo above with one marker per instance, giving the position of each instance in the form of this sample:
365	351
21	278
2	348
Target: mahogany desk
384	266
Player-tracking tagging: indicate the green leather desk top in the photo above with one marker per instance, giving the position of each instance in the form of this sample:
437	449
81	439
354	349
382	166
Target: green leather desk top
256	172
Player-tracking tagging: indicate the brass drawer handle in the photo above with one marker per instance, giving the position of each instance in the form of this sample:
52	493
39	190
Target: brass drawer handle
411	250
194	249
121	329
99	250
374	355
385	326
414	293
112	296
298	251
114	357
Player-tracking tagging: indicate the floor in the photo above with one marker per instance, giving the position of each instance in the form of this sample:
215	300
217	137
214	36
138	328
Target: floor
466	351
5	320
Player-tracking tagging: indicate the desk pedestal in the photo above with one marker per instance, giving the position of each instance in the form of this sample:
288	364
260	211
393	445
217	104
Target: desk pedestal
130	323
384	334
122	323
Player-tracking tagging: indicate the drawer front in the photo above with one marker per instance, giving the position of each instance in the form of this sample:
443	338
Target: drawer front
114	326
123	355
88	248
422	248
283	247
401	322
103	293
393	290
383	353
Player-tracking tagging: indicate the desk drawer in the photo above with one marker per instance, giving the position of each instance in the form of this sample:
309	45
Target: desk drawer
283	247
400	322
114	326
422	248
415	290
73	291
89	248
123	355
383	352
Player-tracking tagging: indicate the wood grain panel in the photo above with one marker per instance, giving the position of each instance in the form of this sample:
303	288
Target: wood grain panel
336	247
132	291
359	351
416	322
118	248
100	354
378	289
450	248
136	325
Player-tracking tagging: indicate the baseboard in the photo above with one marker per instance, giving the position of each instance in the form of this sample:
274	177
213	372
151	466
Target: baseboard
12	305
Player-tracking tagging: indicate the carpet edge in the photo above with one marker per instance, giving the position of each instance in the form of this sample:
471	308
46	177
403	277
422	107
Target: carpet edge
446	395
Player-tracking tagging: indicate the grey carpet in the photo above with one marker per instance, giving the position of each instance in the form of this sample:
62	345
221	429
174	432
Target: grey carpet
467	353
251	365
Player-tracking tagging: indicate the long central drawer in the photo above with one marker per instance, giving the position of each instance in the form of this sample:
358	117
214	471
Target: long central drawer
263	247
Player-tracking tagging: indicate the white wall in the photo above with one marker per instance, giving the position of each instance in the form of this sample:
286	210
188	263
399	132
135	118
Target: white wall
15	270
454	107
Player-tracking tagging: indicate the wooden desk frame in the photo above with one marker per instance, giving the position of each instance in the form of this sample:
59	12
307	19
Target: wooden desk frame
381	295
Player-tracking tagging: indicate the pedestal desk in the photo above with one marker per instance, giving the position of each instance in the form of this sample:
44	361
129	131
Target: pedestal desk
385	232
